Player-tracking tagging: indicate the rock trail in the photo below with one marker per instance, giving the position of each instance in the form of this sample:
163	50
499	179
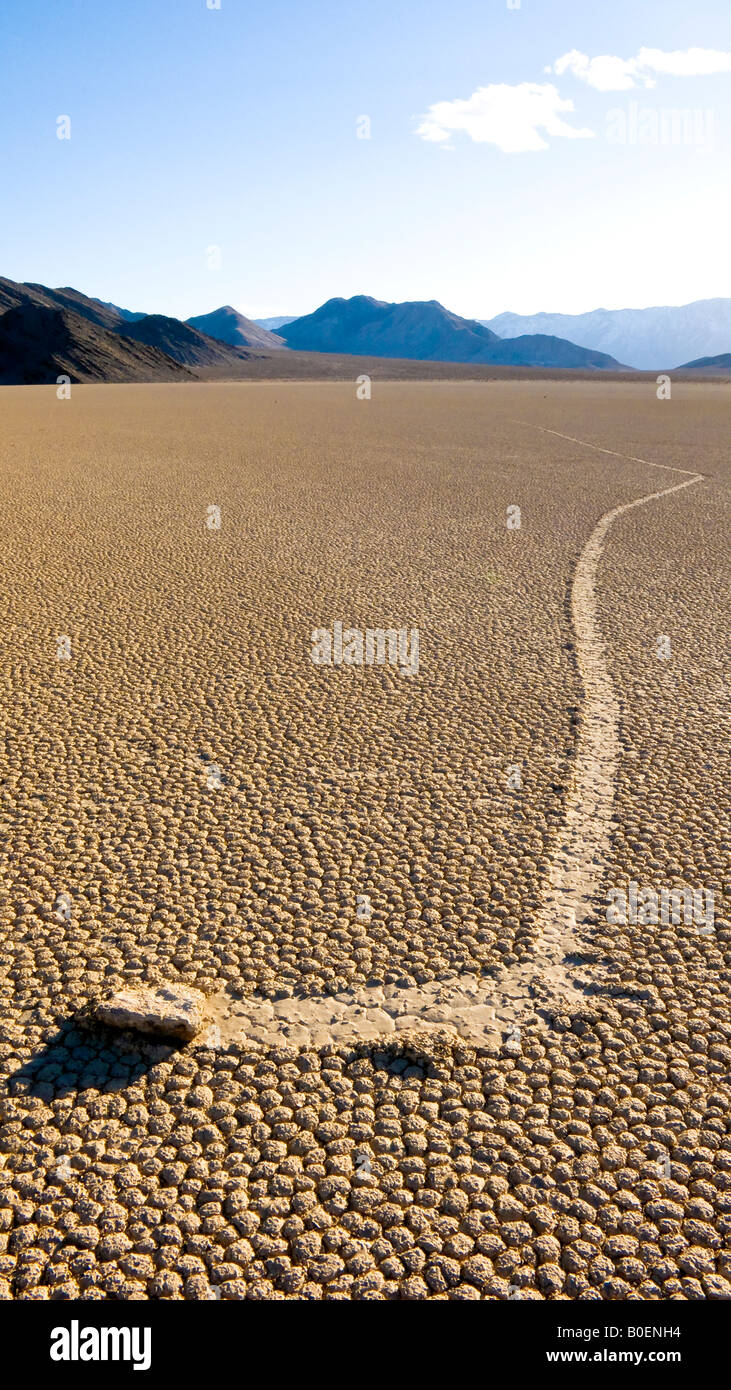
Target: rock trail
480	1008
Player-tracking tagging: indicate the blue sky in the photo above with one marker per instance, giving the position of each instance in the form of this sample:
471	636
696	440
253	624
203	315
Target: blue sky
236	128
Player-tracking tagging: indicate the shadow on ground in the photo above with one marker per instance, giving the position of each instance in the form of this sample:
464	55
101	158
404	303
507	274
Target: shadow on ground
79	1056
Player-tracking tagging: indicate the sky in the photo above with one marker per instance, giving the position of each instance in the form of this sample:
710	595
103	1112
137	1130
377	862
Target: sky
492	154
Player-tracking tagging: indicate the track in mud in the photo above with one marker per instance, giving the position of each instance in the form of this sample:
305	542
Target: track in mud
545	988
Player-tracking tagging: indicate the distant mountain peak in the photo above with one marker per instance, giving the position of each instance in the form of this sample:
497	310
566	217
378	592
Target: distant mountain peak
425	331
649	339
227	325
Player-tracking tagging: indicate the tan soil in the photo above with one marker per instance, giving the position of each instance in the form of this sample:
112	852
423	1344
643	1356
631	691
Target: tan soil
544	987
591	1159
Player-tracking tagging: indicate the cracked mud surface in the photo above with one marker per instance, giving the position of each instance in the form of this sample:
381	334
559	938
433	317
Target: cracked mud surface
485	1013
588	1159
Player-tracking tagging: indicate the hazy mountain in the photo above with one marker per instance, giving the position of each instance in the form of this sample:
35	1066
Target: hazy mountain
182	342
646	338
428	332
722	363
275	323
543	350
229	326
39	343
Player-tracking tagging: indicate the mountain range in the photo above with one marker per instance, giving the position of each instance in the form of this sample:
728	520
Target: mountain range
646	339
182	342
650	339
427	332
47	333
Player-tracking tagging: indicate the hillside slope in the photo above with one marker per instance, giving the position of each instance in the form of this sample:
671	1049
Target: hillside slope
182	342
229	326
361	325
722	363
39	343
427	332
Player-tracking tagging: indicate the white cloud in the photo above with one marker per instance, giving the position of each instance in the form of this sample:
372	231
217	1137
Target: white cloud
691	62
509	117
610	74
605	74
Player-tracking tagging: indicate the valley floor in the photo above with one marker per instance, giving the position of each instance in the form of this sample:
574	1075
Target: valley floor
439	1067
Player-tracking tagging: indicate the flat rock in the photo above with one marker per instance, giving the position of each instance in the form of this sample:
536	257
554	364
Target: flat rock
174	1011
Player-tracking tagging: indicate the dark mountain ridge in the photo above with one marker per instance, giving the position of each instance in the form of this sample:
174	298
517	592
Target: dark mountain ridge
46	333
13	295
40	343
181	342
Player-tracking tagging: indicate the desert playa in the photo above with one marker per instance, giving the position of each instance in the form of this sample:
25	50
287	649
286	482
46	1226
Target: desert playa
432	1068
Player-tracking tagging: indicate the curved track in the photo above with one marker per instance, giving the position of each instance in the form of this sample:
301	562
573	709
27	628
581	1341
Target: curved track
546	986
